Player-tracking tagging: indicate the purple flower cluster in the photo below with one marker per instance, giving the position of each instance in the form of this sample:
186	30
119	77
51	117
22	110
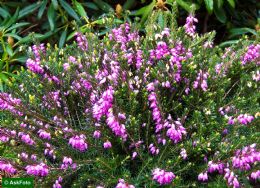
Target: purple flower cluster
213	167
57	183
255	175
78	142
153	149
81	41
26	138
162	177
68	162
107	145
203	177
246	157
123	184
40	170
38	49
44	134
34	66
201	81
245	119
113	123
7	102
189	26
252	54
156	114
175	131
7	167
183	153
102	106
231	178
123	36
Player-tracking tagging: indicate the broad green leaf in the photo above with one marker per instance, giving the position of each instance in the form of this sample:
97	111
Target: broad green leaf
63	38
144	11
13	35
13	19
147	12
55	4
219	3
21	59
28	10
69	9
228	43
51	17
185	5
24	40
232	3
9	50
128	4
240	31
220	14
17	25
209	5
42	9
80	9
91	5
71	35
46	35
4	78
4	13
103	5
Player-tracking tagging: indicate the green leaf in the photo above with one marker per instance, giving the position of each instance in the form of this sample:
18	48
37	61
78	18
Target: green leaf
209	5
17	25
21	59
13	35
232	3
9	50
228	43
42	9
55	4
185	5
219	3
28	10
220	14
103	5
240	31
24	40
51	16
4	13
129	4
63	38
41	37
69	9
4	78
80	9
91	5
71	35
144	11
12	19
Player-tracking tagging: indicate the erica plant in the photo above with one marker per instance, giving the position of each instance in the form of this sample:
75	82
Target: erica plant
166	108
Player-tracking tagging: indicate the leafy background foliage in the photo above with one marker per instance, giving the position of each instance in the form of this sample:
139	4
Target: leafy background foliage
55	21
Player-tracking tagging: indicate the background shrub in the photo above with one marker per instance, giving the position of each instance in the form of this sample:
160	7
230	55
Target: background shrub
55	21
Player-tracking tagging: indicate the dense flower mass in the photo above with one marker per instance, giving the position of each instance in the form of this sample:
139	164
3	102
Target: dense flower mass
37	170
130	108
78	142
7	167
190	28
162	177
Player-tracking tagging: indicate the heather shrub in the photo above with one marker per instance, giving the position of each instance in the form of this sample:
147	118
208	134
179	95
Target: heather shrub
161	108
